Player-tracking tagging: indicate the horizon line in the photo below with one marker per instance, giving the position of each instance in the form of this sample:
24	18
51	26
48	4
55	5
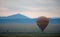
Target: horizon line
26	16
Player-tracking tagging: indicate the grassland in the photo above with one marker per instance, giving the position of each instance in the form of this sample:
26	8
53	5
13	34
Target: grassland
50	31
29	35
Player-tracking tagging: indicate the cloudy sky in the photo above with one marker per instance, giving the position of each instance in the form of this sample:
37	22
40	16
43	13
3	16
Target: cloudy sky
30	8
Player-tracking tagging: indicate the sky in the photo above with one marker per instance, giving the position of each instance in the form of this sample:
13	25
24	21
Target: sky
30	8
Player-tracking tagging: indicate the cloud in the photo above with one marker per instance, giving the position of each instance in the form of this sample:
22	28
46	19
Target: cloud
30	8
32	14
3	9
5	14
38	14
15	3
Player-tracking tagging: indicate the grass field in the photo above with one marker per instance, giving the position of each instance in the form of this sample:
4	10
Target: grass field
50	31
29	35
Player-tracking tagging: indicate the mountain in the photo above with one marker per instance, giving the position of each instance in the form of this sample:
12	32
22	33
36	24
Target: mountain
54	20
18	18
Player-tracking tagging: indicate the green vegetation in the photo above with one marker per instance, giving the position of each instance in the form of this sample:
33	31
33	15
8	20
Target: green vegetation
29	35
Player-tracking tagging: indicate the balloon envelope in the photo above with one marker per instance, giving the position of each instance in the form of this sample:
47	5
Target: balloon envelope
42	22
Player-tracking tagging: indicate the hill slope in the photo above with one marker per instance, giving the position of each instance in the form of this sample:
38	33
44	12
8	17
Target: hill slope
18	18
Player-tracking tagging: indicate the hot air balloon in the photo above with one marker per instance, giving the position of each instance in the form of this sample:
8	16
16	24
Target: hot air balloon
42	22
